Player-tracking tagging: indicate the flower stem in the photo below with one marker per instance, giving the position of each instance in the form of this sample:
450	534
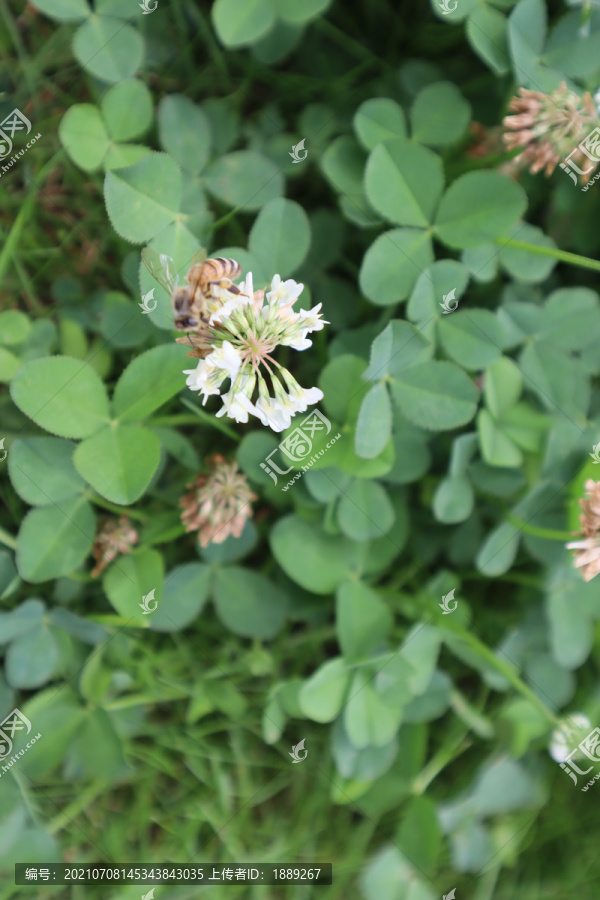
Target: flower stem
563	255
211	420
7	539
548	533
122	510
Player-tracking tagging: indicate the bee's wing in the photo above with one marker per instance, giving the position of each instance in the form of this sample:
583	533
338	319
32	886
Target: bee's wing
197	259
161	267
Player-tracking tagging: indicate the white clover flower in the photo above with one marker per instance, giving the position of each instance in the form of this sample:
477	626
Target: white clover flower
243	332
226	358
236	406
565	737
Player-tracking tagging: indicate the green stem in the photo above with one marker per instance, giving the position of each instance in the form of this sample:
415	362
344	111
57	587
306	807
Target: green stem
554	252
181	419
505	670
81	803
7	539
211	420
122	510
534	531
439	761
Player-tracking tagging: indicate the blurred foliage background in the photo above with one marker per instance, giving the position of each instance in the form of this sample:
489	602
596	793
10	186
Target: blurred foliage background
465	445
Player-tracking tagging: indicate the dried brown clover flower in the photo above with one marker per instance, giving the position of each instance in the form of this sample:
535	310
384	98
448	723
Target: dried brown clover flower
112	538
549	127
587	550
219	503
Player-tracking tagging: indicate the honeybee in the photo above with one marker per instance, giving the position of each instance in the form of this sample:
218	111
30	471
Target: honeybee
193	304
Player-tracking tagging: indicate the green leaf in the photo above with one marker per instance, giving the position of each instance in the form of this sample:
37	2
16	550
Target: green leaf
132	578
343	163
497	448
249	604
244	179
377	120
63	10
96	750
404	182
122	323
392	264
315	560
498	552
242	22
445	276
54	540
419	835
299	13
120	156
149	381
555	378
341	383
570	318
398	346
119	461
15	327
32	659
502	386
178	445
522	264
143	199
478	207
184	596
184	131
363	621
487	35
280	237
322	696
20	621
453	500
42	470
62	395
127	110
108	49
367	719
9	366
374	423
440	114
472	337
420	649
83	135
435	395
365	511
